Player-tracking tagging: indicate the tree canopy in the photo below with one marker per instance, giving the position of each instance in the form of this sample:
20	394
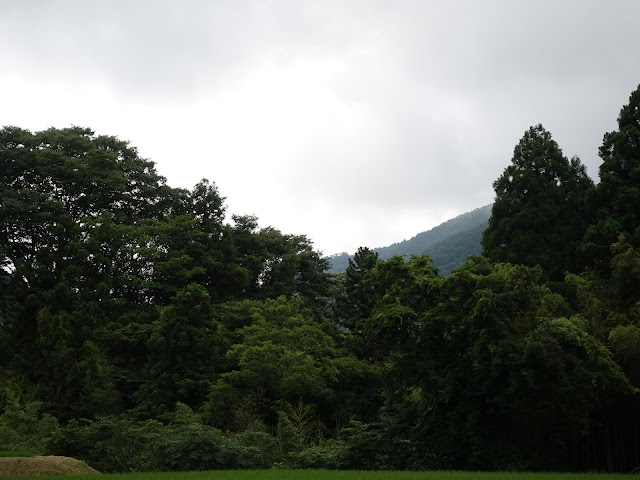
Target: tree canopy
616	199
142	330
539	214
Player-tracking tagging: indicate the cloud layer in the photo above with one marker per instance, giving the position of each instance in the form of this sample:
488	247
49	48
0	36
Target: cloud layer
354	122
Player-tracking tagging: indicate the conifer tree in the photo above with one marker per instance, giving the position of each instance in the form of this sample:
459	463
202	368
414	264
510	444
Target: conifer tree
616	199
539	214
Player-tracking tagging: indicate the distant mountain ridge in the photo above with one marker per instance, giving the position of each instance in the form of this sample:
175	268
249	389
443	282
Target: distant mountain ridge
449	243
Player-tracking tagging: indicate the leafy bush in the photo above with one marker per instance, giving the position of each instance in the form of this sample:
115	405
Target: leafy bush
187	447
106	445
21	428
256	448
123	446
330	455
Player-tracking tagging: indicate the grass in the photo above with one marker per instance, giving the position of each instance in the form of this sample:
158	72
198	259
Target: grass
345	475
37	466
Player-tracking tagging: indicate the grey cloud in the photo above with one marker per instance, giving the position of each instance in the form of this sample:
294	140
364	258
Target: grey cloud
171	48
449	86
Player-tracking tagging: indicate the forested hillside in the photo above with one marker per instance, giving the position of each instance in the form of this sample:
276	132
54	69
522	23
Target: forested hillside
451	253
448	244
142	329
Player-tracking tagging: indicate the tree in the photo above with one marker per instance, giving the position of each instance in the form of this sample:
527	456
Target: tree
405	291
77	221
73	210
360	295
502	375
614	299
370	306
539	214
198	247
85	173
611	306
616	199
184	346
7	304
284	362
280	264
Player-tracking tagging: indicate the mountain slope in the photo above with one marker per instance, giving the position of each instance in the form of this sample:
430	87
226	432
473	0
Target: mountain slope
449	243
450	253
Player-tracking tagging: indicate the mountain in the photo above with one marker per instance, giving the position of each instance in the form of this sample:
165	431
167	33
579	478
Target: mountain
448	244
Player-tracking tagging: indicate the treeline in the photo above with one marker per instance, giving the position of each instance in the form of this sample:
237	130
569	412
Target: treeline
139	330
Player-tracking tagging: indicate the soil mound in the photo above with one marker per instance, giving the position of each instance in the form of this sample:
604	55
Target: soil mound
42	466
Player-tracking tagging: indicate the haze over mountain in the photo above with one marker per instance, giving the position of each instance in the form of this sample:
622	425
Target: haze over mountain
449	243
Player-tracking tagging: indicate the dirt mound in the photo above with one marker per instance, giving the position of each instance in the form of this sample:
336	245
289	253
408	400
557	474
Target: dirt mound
42	466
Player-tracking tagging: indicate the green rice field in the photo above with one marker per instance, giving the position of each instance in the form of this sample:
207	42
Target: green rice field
345	475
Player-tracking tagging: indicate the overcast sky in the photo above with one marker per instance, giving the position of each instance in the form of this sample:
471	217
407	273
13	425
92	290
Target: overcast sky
357	123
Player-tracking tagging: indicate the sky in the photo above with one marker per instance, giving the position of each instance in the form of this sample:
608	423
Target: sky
354	122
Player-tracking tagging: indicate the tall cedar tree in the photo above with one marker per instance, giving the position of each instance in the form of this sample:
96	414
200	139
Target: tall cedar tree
616	199
539	214
356	305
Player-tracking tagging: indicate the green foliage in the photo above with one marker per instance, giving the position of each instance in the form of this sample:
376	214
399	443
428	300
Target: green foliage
107	445
7	303
196	247
539	215
279	264
284	357
190	446
612	300
308	474
625	344
164	339
492	359
125	446
183	343
616	200
75	378
54	180
366	448
256	447
286	435
327	456
22	427
360	294
396	292
74	241
449	254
